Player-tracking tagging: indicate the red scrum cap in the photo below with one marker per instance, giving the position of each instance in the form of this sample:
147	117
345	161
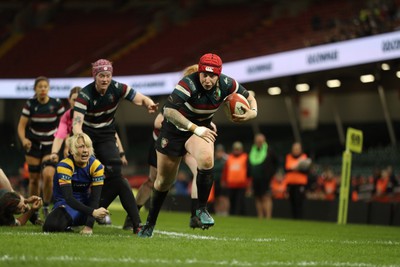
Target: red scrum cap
100	66
210	63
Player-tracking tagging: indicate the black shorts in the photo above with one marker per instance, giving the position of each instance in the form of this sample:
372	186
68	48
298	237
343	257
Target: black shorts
261	187
106	150
171	141
152	155
38	150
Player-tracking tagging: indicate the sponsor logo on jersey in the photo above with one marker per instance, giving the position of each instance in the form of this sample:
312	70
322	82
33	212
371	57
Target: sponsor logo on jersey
51	109
217	94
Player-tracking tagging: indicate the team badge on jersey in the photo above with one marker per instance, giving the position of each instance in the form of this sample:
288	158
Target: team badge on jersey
164	142
217	94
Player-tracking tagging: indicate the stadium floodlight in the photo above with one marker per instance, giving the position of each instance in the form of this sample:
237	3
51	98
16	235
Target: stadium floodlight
302	87
274	90
367	78
333	83
385	66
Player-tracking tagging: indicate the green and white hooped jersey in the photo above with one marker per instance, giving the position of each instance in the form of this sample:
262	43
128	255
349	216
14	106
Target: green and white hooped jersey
99	110
44	119
199	105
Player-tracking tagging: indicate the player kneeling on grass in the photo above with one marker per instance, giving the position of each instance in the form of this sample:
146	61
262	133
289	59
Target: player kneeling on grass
187	129
77	187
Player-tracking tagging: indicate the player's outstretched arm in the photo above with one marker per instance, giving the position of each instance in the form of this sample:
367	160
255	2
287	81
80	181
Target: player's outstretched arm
142	100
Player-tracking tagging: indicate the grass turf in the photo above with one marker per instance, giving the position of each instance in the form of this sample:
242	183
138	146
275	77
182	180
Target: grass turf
233	241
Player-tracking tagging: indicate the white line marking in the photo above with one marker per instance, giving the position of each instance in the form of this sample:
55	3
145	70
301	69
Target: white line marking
190	236
232	239
233	262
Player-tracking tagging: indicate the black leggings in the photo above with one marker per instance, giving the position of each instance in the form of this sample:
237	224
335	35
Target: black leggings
57	221
120	187
106	150
108	154
296	198
237	198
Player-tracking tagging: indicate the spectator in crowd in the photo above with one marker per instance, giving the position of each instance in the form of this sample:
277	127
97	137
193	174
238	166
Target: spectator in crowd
297	165
279	186
36	128
13	203
328	184
365	188
77	187
383	186
235	178
221	204
263	166
313	189
188	112
392	176
94	112
370	19
181	186
354	188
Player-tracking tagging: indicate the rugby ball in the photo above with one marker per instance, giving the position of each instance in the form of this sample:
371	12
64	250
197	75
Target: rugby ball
234	103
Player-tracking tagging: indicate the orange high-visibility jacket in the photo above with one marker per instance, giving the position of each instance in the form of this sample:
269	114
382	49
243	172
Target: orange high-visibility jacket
235	171
278	189
292	176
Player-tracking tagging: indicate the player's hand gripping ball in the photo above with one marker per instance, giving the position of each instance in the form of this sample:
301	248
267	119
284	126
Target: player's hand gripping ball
233	104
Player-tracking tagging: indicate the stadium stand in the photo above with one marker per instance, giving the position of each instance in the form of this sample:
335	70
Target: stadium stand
147	37
62	39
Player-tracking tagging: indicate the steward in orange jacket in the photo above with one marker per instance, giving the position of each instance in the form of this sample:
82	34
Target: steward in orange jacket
235	178
297	165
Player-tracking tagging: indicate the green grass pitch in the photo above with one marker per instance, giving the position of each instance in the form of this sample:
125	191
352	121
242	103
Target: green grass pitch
233	241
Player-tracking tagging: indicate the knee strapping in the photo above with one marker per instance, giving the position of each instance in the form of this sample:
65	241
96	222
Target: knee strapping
49	163
34	168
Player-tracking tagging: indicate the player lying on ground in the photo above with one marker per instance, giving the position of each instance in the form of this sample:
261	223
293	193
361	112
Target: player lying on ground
13	203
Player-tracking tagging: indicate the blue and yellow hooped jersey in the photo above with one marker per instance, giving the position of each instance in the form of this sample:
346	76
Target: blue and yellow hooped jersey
80	178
